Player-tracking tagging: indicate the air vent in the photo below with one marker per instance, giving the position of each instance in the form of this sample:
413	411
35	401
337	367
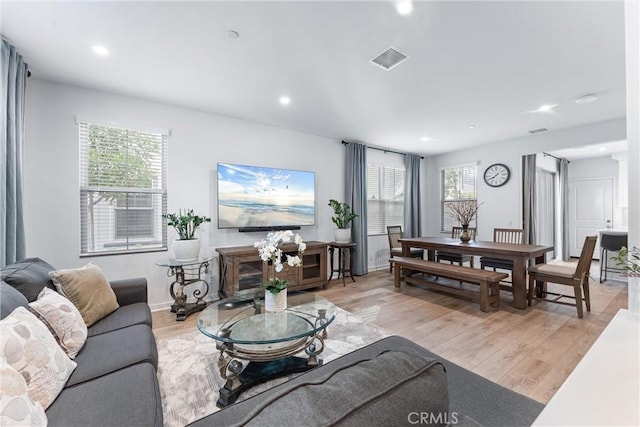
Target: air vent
389	59
533	132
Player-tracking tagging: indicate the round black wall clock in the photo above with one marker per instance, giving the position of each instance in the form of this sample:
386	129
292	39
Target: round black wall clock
497	175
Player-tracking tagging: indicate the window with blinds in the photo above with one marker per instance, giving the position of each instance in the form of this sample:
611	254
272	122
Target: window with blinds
385	198
123	190
458	183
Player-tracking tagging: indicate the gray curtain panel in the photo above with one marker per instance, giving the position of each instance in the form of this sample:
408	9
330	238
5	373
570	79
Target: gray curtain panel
14	77
412	210
356	196
564	207
529	198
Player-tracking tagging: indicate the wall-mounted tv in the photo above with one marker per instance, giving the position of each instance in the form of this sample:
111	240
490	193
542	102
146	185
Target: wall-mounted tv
260	198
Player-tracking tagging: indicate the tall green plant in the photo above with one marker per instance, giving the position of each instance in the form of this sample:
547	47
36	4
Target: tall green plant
185	224
342	214
628	260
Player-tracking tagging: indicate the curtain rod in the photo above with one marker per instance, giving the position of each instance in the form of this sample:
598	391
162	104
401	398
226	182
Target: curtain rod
551	155
386	150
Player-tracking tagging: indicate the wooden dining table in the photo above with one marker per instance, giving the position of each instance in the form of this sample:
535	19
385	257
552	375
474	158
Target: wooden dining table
520	254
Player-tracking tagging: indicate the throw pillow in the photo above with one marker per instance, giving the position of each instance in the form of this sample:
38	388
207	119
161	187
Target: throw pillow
63	319
87	289
16	409
27	345
28	276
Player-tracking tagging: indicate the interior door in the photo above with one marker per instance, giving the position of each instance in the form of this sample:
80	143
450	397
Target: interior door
590	207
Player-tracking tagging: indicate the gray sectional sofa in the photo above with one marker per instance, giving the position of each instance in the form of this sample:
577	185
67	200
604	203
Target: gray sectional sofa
115	382
388	383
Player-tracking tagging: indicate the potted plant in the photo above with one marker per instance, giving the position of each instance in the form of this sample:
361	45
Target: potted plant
275	296
342	217
187	246
629	260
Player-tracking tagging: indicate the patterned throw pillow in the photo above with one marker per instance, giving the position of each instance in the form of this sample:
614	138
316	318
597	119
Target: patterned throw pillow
27	345
16	408
87	289
63	318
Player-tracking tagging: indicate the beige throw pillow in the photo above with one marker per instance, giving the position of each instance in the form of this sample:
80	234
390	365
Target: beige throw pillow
63	319
28	347
88	290
16	408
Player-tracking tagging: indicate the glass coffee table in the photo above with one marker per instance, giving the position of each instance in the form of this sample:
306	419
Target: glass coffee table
257	346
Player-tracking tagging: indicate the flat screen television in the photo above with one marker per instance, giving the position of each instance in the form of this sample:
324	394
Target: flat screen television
255	198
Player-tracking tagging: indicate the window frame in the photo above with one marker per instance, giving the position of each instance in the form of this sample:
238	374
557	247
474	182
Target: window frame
443	211
156	191
381	184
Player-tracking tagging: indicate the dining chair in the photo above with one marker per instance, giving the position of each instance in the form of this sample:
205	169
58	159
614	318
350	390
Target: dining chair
576	276
457	258
503	235
610	243
394	233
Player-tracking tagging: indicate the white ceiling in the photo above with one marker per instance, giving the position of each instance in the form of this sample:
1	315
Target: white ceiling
486	64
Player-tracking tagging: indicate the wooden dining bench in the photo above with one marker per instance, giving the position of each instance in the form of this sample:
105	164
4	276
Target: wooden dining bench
489	281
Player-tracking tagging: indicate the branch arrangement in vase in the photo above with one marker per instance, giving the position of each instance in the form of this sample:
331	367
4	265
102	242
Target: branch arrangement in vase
463	211
185	223
342	214
271	253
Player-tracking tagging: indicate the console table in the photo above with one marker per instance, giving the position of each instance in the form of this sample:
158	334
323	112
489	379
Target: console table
242	271
186	273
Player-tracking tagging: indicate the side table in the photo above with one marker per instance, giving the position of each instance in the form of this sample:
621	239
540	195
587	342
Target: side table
344	250
186	273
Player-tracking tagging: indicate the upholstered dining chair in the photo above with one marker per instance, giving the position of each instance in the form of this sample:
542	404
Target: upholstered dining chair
457	258
610	243
503	235
394	232
575	276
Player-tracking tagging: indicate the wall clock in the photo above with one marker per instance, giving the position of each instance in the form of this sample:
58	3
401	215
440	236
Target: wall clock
497	175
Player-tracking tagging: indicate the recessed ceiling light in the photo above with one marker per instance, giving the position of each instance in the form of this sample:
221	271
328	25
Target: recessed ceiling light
426	139
404	7
602	149
232	34
100	50
285	100
472	126
586	99
545	108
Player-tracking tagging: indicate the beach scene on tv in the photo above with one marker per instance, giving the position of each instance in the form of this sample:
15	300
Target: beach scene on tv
253	196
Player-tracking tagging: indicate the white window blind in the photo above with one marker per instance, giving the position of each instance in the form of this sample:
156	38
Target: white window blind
385	198
458	183
123	190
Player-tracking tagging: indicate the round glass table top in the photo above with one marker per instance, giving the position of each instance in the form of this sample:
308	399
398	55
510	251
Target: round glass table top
172	262
243	320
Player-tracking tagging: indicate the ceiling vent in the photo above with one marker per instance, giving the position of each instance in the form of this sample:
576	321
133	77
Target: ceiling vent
533	132
389	59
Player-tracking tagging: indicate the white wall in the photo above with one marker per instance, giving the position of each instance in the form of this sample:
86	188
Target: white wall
197	142
502	206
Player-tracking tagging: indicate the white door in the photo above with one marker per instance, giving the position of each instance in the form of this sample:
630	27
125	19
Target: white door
590	207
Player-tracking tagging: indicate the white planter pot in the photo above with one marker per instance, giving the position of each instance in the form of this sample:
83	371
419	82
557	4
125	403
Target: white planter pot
186	250
275	302
342	235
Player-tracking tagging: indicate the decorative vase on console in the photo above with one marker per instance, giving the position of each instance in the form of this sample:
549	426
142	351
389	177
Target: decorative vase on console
275	294
464	211
187	246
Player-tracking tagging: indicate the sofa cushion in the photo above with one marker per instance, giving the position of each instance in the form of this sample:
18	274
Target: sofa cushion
127	315
112	351
62	318
28	276
88	289
10	299
129	397
16	407
28	346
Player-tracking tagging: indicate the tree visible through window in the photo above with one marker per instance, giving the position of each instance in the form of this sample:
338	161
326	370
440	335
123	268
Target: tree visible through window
385	198
458	183
122	189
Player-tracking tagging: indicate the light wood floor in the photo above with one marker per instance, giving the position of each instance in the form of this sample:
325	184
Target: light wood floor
531	351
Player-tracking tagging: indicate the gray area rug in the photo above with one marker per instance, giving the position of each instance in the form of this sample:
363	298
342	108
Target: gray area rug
189	377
